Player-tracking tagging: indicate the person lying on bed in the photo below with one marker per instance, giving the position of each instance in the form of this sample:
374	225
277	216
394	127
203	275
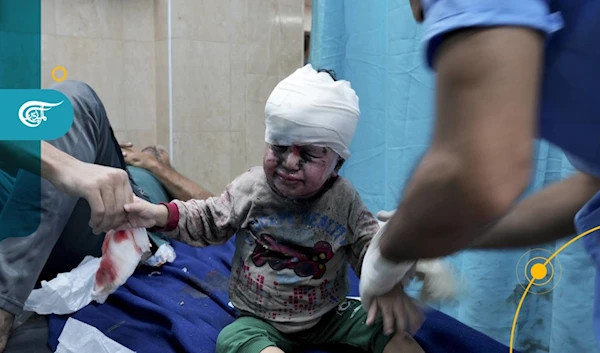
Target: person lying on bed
85	185
155	160
297	225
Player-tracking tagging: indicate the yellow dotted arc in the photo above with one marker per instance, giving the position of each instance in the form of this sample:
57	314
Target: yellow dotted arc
538	272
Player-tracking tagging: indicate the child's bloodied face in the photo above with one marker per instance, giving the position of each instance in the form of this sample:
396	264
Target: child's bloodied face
299	171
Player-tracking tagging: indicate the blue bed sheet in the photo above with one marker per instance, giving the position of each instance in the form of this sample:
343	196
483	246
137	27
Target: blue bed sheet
181	307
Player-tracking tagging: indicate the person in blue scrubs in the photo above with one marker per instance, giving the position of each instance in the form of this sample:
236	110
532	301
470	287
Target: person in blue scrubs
508	72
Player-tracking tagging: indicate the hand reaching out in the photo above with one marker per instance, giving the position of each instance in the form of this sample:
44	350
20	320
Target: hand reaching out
146	158
399	311
143	214
379	275
160	153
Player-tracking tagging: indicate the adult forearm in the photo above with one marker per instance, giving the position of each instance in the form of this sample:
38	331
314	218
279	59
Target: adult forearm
487	94
24	155
37	157
545	216
176	184
446	206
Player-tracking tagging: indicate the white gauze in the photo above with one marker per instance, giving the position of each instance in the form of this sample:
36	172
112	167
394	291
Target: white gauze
310	108
379	275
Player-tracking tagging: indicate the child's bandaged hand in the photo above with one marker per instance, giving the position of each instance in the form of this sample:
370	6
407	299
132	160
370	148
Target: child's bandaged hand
379	275
399	312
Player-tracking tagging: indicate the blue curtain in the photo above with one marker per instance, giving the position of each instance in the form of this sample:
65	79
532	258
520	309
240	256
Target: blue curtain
376	45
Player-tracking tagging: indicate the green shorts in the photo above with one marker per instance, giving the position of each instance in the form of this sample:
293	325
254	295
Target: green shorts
343	326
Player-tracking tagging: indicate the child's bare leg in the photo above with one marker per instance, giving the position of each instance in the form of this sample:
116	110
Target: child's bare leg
272	350
402	343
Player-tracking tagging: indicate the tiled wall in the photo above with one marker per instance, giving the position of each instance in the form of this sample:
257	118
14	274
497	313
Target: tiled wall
162	73
110	45
227	56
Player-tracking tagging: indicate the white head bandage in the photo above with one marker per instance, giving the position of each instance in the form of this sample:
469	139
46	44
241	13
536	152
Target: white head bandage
310	108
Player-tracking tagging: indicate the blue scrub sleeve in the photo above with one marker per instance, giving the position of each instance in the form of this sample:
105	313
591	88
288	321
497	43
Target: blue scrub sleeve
445	16
583	166
586	219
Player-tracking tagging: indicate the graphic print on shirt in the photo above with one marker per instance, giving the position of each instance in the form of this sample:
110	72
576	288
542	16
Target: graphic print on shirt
304	225
304	261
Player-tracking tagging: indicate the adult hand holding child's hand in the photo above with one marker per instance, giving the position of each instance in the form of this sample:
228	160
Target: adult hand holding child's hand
106	189
143	214
379	275
382	288
399	312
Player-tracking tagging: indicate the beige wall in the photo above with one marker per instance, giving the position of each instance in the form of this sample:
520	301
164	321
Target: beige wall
98	43
227	56
307	16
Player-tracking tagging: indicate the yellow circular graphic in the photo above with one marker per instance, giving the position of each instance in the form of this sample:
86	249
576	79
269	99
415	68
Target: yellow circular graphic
539	271
64	72
529	269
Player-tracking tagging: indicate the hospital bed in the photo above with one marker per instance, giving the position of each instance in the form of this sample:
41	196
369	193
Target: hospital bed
182	306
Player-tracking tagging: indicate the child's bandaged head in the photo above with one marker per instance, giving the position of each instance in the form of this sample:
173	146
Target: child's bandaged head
311	108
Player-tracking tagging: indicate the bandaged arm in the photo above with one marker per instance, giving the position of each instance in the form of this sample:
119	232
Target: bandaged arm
379	275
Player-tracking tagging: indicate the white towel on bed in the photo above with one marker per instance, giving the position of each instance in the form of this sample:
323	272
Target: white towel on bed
78	337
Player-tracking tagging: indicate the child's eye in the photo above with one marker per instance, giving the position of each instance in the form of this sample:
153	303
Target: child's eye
308	156
311	153
277	148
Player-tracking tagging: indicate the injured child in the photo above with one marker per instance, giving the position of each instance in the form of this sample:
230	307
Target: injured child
298	224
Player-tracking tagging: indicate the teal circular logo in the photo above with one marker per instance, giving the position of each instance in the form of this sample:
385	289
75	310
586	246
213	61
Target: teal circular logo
34	114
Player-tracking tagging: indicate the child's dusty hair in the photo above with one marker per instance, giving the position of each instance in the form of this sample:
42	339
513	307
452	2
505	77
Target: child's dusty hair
330	72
